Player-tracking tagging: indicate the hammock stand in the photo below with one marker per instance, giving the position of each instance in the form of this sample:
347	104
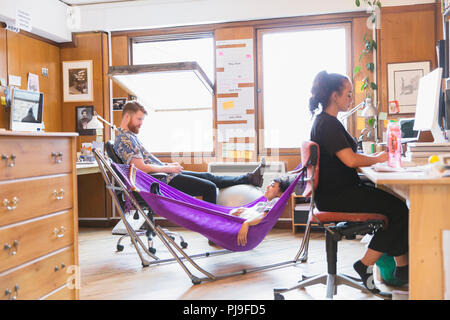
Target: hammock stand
116	184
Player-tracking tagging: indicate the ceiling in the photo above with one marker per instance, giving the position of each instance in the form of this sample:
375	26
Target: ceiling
91	2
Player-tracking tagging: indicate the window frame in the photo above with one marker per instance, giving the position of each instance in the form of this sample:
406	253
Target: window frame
260	32
178	34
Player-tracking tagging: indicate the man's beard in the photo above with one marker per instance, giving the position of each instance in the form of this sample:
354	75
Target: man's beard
134	129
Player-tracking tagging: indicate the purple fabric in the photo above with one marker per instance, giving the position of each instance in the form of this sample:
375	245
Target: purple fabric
208	219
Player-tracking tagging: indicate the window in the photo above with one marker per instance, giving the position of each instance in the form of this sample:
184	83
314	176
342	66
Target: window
290	59
180	117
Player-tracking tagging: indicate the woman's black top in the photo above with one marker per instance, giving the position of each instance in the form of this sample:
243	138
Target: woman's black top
331	136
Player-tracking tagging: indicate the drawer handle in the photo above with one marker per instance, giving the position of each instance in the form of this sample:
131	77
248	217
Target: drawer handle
57	156
59	233
8	293
6	158
12	249
11	205
58	267
59	195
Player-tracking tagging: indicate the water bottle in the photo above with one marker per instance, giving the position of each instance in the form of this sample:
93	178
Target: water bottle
394	144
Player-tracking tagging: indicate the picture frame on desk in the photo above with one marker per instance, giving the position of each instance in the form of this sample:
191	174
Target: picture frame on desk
403	84
77	81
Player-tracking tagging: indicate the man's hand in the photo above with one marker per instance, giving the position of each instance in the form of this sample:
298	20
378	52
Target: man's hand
242	235
173	168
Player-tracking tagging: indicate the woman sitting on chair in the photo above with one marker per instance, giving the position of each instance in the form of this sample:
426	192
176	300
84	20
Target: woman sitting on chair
340	188
255	214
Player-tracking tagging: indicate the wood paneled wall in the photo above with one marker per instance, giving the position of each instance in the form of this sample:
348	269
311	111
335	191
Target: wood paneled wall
407	34
89	46
20	55
4	116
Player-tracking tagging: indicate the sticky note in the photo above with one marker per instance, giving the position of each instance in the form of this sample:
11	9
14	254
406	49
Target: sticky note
228	105
360	123
3	101
382	116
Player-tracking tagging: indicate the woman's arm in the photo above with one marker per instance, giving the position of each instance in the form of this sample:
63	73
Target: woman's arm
354	160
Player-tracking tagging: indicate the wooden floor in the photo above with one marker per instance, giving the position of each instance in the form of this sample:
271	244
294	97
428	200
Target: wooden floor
107	274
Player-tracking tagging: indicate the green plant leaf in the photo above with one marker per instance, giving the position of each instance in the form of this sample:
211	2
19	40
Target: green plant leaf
373	86
362	56
379	4
356	70
358	3
371	122
374	44
370	66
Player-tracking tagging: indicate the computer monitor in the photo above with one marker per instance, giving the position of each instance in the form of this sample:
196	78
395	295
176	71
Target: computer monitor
26	110
427	107
407	130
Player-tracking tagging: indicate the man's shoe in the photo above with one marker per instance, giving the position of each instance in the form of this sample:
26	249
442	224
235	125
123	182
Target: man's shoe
256	176
154	188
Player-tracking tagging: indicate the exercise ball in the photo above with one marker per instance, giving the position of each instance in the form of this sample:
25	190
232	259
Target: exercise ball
238	195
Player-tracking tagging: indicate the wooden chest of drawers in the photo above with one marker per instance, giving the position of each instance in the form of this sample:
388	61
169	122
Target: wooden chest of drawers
38	216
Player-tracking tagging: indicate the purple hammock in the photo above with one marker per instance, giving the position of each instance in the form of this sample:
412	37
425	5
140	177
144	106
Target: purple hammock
211	220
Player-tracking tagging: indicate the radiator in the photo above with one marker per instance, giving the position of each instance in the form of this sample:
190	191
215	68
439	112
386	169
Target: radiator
271	171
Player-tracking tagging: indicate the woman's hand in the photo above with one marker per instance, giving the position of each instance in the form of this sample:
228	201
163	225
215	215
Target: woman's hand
381	156
237	212
242	235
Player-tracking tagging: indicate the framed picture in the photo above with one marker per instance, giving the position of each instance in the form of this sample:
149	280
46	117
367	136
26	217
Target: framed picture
403	84
83	116
78	81
118	103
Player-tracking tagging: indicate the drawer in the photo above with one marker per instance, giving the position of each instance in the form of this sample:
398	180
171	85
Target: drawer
64	293
37	279
22	157
32	197
25	241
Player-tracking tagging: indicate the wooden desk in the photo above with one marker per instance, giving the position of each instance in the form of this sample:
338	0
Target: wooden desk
94	208
429	215
87	168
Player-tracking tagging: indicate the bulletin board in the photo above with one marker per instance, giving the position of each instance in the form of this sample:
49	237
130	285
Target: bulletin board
235	87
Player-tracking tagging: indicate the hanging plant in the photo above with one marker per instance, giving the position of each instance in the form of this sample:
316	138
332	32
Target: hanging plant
369	44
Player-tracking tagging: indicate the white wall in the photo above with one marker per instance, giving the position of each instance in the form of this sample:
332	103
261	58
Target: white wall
158	13
48	17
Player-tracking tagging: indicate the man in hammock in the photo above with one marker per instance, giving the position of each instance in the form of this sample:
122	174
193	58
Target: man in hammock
255	214
131	151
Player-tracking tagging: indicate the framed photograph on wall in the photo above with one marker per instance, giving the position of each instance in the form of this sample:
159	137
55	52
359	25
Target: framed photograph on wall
78	81
403	84
118	103
83	117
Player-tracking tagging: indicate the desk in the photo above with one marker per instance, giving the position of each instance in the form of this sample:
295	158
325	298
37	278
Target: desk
87	168
429	215
94	207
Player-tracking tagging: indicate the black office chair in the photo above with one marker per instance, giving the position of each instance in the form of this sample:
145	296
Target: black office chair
109	148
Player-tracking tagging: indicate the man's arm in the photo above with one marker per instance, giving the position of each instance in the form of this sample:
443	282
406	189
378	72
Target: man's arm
155	168
242	234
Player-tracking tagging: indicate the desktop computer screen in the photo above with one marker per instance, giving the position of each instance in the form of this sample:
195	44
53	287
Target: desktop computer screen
26	110
427	107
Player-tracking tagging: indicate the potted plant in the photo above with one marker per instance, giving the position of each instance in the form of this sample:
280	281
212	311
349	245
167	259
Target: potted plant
368	83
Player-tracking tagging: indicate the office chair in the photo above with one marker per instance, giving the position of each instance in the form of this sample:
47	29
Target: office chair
109	148
337	225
